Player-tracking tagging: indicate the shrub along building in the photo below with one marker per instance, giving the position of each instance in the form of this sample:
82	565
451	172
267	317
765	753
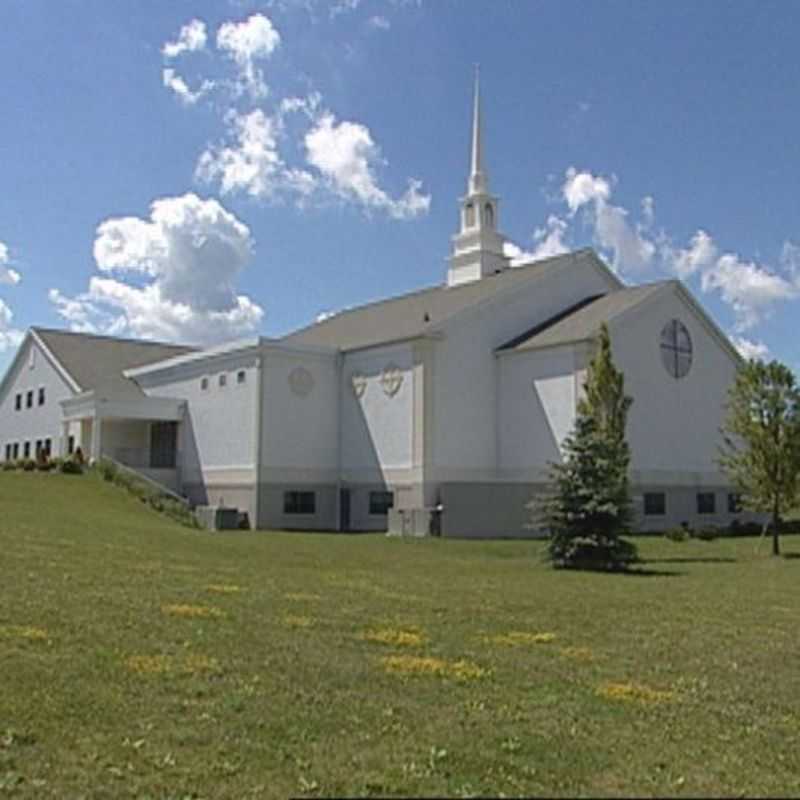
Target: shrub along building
456	396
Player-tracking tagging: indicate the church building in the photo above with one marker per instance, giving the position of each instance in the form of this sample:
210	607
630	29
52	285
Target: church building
436	411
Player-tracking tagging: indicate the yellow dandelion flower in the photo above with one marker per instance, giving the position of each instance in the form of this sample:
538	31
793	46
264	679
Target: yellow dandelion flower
24	632
197	612
515	638
302	597
149	665
296	621
194	664
578	653
402	638
633	693
427	665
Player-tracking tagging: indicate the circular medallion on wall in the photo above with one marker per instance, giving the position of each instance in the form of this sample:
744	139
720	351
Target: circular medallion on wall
301	381
391	379
676	349
359	384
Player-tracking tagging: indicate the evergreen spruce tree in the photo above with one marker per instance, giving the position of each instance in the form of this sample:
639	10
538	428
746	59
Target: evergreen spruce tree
590	507
761	451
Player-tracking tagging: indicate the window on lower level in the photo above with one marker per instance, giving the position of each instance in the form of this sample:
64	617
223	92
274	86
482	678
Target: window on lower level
706	503
8	452
29	399
70	445
299	502
380	502
223	379
26	450
38	447
734	503
203	384
18	403
41	395
241	376
48	447
655	504
15	452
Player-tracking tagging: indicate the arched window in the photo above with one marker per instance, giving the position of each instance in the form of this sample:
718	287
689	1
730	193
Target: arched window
488	215
469	215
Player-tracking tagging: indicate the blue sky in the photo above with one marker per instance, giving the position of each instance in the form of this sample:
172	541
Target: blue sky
205	170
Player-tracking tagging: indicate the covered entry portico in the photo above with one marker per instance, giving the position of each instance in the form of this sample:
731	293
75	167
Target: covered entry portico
143	434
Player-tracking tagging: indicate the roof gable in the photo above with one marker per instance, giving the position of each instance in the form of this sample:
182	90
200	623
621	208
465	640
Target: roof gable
424	312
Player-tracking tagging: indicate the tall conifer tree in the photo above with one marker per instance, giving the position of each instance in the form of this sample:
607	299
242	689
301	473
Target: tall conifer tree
590	507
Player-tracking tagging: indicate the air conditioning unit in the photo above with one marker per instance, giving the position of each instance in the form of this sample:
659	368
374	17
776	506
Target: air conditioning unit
415	521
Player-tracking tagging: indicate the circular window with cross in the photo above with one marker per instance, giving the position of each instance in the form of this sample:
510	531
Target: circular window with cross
676	349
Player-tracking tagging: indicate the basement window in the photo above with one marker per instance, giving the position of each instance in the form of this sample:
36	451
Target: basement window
655	504
299	502
380	502
706	503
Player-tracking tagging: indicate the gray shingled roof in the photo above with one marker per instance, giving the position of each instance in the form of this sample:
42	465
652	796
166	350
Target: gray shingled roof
582	321
96	362
419	312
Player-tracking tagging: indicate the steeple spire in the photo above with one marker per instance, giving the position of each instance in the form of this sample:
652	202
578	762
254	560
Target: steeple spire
477	178
477	247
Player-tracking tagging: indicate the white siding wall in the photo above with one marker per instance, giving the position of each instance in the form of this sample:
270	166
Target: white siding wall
299	431
673	424
465	396
536	410
38	422
219	429
377	427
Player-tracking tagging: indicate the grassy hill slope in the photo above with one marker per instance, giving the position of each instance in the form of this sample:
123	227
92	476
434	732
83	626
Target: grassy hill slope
142	659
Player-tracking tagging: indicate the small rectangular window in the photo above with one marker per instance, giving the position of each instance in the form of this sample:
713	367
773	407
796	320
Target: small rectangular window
48	447
734	503
29	399
655	504
38	447
16	450
380	502
18	403
70	445
223	379
8	452
41	395
26	451
299	502
203	384
241	376
706	503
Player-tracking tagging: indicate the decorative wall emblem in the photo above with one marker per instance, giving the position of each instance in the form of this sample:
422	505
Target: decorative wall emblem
359	384
391	379
301	381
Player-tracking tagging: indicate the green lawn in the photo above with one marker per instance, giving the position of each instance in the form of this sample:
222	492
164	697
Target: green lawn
142	659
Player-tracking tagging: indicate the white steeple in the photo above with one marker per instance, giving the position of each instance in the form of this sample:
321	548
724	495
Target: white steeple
477	248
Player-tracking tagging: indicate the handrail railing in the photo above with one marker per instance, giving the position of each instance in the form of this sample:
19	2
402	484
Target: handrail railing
149	480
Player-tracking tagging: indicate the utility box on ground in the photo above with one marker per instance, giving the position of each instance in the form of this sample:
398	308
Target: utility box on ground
218	518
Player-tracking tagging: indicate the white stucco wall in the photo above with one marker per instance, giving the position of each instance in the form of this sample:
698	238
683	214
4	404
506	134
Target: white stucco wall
219	429
465	396
38	422
536	409
377	426
673	426
299	429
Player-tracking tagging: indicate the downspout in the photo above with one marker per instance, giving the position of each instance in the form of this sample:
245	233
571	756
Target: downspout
259	404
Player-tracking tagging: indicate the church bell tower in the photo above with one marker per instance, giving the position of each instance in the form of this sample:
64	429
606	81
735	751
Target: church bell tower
477	247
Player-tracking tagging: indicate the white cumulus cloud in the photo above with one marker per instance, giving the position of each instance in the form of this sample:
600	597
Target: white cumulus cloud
8	276
191	37
630	248
749	349
9	335
346	155
173	81
246	43
186	258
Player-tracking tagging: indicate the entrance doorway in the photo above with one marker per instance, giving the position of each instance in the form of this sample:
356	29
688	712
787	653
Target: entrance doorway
344	509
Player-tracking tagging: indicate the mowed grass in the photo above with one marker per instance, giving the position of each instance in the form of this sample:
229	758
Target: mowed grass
142	659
